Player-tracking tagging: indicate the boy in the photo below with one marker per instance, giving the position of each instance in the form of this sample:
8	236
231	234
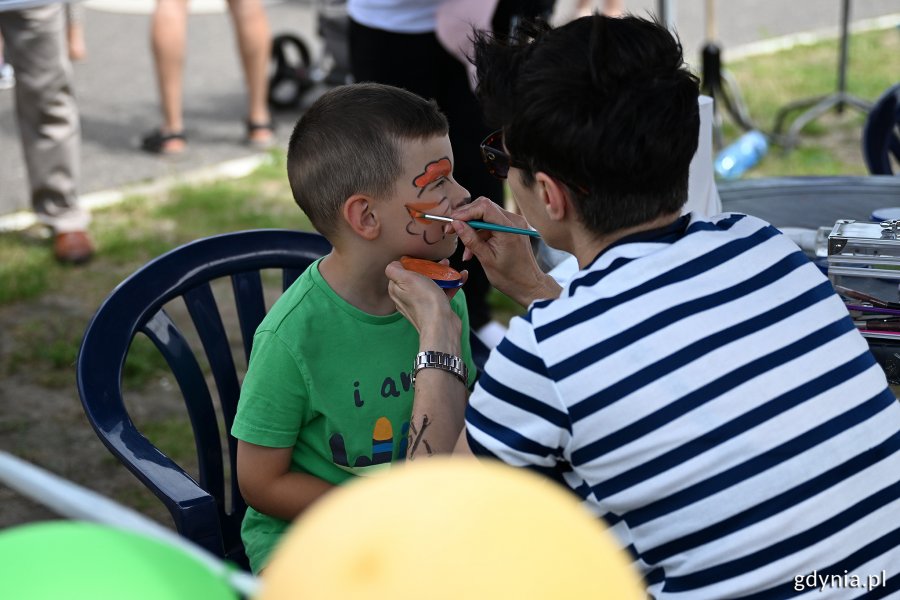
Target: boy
328	391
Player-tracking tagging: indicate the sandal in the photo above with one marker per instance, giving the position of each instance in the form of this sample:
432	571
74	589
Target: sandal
260	142
157	142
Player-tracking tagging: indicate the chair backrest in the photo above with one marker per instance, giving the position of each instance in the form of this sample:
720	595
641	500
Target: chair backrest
207	510
881	133
203	510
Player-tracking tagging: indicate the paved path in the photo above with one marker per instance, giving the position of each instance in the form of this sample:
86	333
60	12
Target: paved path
117	94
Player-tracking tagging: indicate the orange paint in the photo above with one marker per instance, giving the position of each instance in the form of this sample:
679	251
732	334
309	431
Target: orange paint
415	208
433	171
430	269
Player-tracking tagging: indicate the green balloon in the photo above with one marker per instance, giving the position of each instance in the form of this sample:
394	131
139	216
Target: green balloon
77	560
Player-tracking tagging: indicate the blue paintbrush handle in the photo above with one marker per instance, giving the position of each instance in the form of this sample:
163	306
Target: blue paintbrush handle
476	224
503	228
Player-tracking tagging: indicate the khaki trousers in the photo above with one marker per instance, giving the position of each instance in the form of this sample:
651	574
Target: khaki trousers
34	44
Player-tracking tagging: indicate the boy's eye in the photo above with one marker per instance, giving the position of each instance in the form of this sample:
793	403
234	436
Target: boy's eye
440	182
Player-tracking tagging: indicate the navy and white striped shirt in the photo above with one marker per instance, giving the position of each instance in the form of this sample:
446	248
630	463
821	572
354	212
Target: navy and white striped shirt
703	389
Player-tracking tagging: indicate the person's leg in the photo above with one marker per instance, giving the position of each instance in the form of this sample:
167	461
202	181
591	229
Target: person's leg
613	8
168	37
7	76
398	59
75	31
254	40
567	10
509	10
48	123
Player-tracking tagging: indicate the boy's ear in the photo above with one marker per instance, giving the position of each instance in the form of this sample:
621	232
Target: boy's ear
554	196
359	214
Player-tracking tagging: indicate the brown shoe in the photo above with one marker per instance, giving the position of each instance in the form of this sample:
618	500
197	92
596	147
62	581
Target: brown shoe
73	247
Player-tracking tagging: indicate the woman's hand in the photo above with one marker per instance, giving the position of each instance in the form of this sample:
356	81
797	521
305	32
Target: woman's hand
507	258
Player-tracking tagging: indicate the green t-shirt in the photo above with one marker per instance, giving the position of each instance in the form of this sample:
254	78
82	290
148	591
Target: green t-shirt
333	382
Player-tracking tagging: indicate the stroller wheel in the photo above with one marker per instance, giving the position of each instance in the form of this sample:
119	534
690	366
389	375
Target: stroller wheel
289	75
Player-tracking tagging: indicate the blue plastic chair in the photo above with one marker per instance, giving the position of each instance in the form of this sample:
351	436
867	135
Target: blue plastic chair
198	508
881	133
208	511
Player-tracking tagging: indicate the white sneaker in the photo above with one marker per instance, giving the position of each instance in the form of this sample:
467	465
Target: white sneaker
7	76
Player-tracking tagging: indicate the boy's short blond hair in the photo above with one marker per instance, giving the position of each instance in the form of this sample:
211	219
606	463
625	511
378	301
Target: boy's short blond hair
348	142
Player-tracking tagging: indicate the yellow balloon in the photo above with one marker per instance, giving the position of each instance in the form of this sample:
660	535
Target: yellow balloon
449	528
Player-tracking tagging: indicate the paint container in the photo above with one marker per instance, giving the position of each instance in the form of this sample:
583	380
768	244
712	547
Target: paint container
445	277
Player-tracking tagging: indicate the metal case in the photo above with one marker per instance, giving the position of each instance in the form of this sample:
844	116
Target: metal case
864	268
857	249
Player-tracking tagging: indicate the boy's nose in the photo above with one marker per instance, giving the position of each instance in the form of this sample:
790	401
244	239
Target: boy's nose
462	198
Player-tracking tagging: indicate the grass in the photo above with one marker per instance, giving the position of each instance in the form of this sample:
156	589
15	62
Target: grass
829	145
128	235
174	437
23	271
141	228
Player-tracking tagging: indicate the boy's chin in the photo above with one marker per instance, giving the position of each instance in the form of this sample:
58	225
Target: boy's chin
437	252
429	256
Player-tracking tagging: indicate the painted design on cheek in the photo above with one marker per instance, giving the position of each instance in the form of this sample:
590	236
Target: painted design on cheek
424	207
424	227
433	171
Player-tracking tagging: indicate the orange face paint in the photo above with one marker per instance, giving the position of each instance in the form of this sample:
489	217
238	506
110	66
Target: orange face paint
421	207
433	171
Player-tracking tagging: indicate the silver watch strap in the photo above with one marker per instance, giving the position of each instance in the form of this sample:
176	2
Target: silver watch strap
432	359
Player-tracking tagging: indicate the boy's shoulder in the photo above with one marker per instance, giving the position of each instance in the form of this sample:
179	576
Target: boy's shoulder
300	301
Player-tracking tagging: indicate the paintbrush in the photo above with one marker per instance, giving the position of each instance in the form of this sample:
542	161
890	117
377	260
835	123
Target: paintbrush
474	224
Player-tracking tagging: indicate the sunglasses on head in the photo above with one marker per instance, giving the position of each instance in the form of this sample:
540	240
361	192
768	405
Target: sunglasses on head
498	161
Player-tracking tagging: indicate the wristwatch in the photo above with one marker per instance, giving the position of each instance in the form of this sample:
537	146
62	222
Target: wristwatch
432	359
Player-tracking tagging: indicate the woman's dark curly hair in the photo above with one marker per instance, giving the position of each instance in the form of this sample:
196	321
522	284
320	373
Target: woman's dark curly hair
606	105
